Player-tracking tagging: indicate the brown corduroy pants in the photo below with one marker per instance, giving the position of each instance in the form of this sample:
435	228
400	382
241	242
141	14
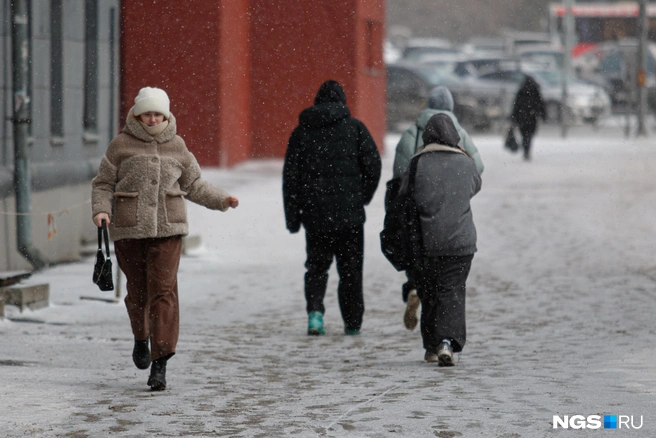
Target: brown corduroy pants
151	269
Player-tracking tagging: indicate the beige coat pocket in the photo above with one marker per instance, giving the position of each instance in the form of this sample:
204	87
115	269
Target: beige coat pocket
125	209
175	207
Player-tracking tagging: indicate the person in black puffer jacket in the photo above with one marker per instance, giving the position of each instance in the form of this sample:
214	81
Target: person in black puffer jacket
331	171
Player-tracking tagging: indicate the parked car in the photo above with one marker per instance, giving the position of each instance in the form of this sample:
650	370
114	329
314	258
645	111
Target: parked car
441	61
612	65
515	41
390	52
478	104
408	86
475	66
407	91
586	102
493	93
547	57
416	47
485	46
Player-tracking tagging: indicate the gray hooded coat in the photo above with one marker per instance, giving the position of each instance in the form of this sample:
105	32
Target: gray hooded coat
445	181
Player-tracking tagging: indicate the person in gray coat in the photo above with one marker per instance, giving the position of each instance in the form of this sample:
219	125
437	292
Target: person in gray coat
445	180
440	101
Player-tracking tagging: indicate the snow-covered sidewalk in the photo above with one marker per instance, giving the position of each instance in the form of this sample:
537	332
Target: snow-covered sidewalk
561	304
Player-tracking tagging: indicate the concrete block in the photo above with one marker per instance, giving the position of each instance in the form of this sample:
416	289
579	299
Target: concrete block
31	297
189	243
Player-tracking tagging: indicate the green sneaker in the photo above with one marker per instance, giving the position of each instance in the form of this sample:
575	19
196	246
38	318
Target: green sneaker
352	332
315	324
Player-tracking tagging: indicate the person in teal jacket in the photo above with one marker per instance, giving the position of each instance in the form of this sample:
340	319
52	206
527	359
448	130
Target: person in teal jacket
440	101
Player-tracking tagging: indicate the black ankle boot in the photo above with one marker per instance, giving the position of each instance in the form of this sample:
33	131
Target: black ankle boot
157	380
141	354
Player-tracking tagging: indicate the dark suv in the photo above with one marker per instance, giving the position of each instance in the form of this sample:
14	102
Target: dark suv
407	91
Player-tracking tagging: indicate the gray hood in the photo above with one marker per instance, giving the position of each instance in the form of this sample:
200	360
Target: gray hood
440	98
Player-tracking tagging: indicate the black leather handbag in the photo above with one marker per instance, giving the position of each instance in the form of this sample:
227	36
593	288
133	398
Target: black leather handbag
102	271
511	141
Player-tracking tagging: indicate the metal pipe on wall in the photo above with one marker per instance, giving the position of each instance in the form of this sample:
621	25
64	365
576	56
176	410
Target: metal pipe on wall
641	62
21	121
112	70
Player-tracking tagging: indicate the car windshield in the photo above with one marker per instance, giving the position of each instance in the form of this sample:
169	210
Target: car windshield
550	60
552	77
415	53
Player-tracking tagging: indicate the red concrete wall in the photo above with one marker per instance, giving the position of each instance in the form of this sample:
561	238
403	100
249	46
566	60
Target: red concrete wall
239	72
371	77
298	45
199	55
234	83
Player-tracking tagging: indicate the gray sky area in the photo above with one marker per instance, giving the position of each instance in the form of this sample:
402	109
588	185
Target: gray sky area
459	20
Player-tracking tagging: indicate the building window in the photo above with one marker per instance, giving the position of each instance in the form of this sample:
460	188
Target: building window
56	73
91	71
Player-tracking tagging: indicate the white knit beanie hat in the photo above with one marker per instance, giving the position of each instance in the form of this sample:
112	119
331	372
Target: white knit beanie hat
152	99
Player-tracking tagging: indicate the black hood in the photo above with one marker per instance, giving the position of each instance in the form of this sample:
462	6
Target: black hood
324	114
330	92
441	130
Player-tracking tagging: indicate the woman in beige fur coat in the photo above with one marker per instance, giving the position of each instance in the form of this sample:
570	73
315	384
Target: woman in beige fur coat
143	180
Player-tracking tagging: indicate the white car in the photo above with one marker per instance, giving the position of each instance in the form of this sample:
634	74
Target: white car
586	102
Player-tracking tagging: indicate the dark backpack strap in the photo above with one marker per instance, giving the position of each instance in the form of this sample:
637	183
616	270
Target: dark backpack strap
412	215
417	138
412	173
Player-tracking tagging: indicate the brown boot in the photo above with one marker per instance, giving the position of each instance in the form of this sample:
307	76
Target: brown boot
411	318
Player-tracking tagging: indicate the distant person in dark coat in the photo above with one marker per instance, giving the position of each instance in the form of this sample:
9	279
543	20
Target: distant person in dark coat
331	171
444	181
528	107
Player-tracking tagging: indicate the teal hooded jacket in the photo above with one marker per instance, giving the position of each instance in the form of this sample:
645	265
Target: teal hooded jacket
440	102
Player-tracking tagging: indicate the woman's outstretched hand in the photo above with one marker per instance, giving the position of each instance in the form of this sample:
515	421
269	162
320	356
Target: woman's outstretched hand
97	219
233	202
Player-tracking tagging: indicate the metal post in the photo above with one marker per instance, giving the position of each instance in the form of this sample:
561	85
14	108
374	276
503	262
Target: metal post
112	70
641	62
117	283
569	37
91	67
22	178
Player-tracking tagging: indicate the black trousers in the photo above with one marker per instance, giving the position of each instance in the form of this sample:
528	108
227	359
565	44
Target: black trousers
441	286
409	285
527	138
347	246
